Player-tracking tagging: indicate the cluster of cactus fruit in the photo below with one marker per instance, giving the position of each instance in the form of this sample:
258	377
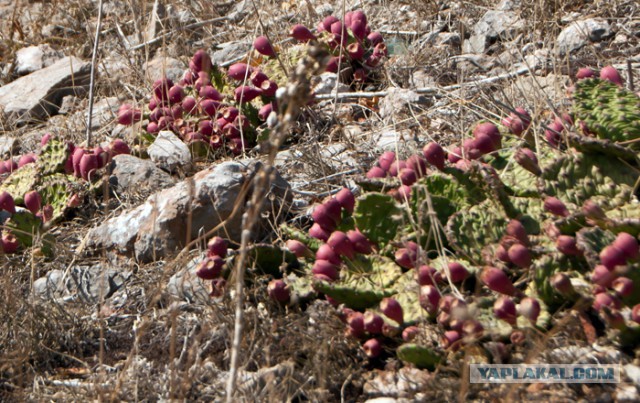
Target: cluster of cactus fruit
213	109
488	240
40	189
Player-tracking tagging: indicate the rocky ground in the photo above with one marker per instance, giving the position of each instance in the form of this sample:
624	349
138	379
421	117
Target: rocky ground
118	314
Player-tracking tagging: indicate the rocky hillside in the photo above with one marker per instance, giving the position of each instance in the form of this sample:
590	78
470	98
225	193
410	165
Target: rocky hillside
323	201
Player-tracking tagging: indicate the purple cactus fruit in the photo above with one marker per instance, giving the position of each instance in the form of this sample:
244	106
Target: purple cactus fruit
610	73
264	47
374	38
278	290
102	155
567	244
528	160
118	147
408	176
326	252
322	217
333	64
26	159
359	29
373	60
428	275
239	71
601	275
216	141
265	111
32	201
606	300
470	149
244	93
434	154
635	313
161	88
529	308
410	333
429	299
209	92
355	321
337	28
217	246
396	167
355	51
418	164
403	193
88	166
128	115
505	309
392	309
176	94
360	242
340	243
376	172
201	61
380	50
153	128
317	232
472	328
585	72
593	211
325	268
326	23
562	284
346	199
45	139
458	272
623	286
517	230
552	134
406	258
74	201
555	206
9	243
517	337
497	281
451	339
372	348
373	322
7	203
268	88
301	33
299	249
445	303
386	159
628	245
490	130
210	268
519	255
611	256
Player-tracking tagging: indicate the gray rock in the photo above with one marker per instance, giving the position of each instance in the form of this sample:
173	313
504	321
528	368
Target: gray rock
88	283
186	285
397	99
580	33
627	393
633	373
8	146
325	83
33	58
38	95
475	44
448	39
230	51
170	153
498	24
206	200
132	174
163	66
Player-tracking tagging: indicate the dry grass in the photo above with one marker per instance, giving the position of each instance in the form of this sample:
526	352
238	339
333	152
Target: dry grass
142	345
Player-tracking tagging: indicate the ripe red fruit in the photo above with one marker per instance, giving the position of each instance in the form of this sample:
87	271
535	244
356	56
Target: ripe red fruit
528	160
26	159
375	38
210	268
517	337
127	115
386	159
451	339
298	248
517	230
346	199
359	29
301	33
217	247
376	172
32	201
88	166
497	281
410	333
418	164
635	313
567	244
529	308
592	210
239	71
610	73
325	268
562	284
265	111
429	299
490	130
278	290
9	243
408	176
519	255
161	88
623	286
45	139
322	217
176	94
118	147
628	245
244	93
355	51
405	258
392	309
7	203
396	167
372	348
373	322
453	156
355	320
264	47
602	276
340	243
585	72
505	309
317	232
428	275
360	242
611	257
326	23
201	61
604	299
458	272
326	252
555	206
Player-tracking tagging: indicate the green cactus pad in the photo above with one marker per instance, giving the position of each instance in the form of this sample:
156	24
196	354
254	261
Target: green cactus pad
56	190
271	260
20	182
577	177
53	157
301	287
610	111
292	233
408	296
25	226
468	231
592	241
420	356
378	217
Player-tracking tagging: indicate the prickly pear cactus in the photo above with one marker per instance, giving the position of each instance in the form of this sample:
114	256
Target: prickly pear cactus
421	356
56	190
378	217
20	182
608	110
53	157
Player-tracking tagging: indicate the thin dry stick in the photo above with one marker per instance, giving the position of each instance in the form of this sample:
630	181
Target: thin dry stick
295	96
92	83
